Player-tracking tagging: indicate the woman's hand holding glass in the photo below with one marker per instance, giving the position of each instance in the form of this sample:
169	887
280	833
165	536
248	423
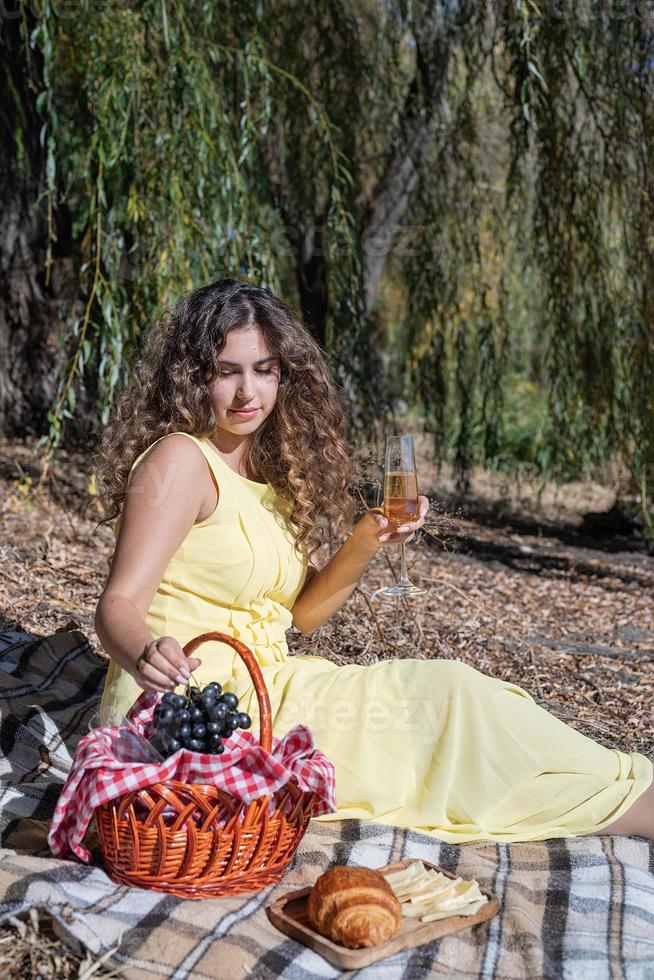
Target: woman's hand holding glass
374	531
391	523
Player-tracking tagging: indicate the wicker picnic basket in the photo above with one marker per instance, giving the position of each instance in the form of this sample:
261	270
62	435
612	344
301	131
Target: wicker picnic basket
214	844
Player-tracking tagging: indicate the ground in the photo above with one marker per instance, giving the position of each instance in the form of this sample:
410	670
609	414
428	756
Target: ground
521	587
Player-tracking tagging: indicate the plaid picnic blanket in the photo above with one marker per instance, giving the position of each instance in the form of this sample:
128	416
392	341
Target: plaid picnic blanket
576	908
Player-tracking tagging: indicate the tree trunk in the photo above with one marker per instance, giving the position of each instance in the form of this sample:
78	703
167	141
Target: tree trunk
305	235
414	138
312	281
31	309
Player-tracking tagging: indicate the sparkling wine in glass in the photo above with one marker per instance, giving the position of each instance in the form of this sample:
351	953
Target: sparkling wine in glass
400	504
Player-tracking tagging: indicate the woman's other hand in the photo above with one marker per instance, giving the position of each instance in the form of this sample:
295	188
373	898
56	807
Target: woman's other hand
374	531
163	665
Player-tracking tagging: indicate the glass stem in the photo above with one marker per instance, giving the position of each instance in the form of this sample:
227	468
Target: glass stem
404	578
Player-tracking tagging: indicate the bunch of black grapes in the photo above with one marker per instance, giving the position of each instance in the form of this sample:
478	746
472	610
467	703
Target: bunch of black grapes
199	720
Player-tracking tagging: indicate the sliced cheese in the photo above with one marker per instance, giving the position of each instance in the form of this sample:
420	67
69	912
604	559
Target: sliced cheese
407	877
440	890
467	891
413	911
419	882
453	901
413	887
471	908
428	894
411	870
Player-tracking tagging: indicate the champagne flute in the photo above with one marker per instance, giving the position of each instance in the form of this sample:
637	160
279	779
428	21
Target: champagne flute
400	505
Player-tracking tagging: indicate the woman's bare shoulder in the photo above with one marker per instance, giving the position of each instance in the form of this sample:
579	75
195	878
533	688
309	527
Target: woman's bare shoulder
175	466
162	502
176	445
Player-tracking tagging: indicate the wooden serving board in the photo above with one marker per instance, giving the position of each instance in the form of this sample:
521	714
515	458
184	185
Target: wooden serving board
289	915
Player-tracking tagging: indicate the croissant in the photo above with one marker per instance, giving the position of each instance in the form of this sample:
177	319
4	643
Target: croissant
354	907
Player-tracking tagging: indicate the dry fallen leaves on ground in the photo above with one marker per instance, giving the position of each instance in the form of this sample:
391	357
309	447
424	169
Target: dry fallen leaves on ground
523	597
516	589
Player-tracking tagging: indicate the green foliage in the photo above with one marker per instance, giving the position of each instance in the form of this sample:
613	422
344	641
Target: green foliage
522	281
153	117
535	270
592	196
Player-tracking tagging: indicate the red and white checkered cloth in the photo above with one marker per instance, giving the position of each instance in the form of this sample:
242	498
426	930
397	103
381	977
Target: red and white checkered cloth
244	770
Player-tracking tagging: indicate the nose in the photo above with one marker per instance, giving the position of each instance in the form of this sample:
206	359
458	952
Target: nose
244	390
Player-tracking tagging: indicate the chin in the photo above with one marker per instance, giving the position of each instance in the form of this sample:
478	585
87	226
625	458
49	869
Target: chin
236	425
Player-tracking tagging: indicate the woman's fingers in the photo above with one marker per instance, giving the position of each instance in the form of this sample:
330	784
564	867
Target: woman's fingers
423	507
179	666
163	665
410	526
151	677
393	535
159	688
406	531
170	671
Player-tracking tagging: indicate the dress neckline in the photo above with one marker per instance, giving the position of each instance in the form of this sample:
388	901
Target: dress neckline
253	483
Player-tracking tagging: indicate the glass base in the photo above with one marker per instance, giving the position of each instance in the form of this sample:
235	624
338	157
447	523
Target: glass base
402	590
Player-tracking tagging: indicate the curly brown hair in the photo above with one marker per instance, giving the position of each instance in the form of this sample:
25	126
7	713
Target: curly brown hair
301	448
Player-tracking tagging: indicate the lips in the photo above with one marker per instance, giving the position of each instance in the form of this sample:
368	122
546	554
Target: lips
244	412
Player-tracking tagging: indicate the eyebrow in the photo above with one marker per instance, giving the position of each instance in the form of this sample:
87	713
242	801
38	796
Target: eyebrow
264	360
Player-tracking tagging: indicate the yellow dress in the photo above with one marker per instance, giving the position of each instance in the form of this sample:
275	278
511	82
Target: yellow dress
433	745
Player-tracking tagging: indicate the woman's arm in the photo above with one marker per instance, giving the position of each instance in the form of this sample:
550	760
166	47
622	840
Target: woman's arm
329	588
163	501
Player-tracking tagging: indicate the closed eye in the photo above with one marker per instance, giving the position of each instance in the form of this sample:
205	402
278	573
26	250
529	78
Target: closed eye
228	374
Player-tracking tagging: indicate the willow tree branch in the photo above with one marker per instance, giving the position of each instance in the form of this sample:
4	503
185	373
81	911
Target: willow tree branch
415	136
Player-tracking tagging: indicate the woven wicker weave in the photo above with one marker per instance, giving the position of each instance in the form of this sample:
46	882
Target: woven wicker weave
197	841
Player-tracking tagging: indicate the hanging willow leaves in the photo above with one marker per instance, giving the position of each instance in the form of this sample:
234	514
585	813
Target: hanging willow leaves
588	179
534	278
458	196
158	122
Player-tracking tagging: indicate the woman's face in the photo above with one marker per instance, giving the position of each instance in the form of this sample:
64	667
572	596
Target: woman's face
248	379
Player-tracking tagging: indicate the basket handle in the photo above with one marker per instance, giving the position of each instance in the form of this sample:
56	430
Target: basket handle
265	723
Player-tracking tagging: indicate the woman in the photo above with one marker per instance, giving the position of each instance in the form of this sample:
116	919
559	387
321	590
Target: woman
224	459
